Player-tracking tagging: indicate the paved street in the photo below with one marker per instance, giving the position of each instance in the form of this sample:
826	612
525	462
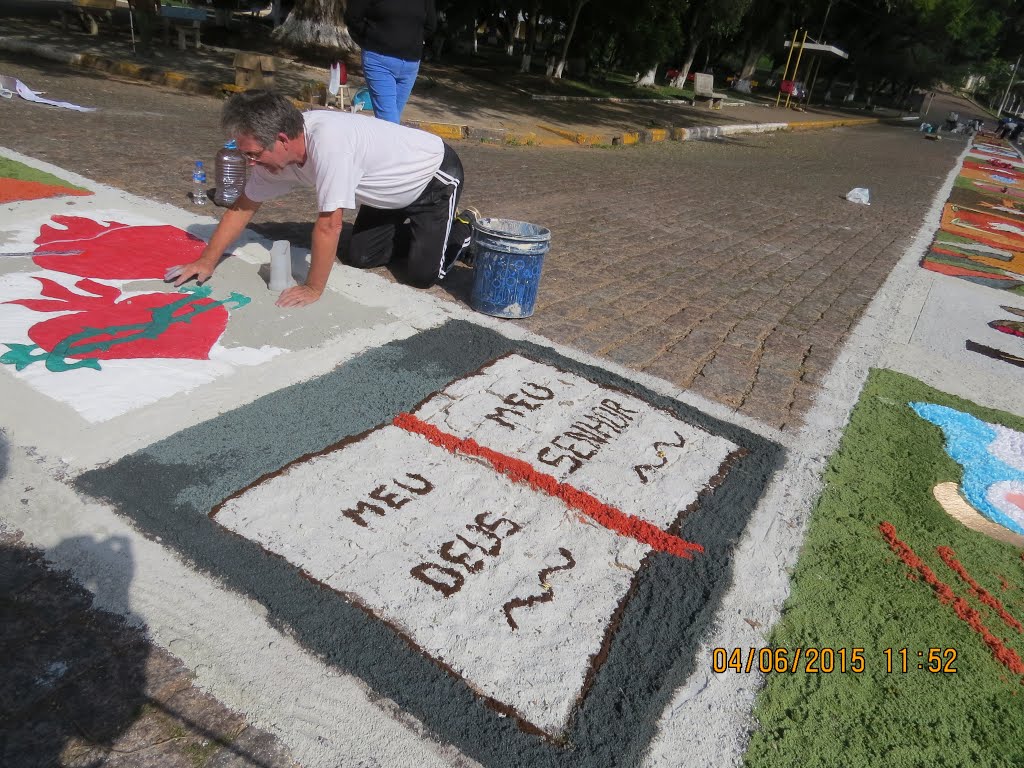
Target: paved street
733	268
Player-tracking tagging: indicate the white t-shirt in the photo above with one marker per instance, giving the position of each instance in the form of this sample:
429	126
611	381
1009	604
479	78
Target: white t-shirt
354	160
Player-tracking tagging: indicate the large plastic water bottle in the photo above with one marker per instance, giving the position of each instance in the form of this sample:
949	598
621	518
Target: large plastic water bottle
230	167
199	184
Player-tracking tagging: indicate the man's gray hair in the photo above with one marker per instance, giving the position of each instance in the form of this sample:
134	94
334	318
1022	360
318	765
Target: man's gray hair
262	115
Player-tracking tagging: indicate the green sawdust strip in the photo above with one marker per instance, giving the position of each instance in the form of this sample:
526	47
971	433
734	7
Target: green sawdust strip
12	169
850	589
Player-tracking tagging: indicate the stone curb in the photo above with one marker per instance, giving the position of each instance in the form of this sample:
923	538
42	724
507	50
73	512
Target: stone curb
121	67
681	102
717	131
576	137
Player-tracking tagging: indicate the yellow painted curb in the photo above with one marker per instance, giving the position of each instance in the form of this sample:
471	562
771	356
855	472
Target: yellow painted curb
177	80
809	125
659	134
94	62
574	136
127	68
444	130
521	139
630	137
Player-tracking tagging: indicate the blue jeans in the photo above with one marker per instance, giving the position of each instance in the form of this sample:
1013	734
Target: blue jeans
390	82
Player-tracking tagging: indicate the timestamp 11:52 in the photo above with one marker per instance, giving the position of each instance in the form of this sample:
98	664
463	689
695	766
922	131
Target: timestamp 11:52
940	660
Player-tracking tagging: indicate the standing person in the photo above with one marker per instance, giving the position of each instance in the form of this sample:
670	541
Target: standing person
391	172
391	34
147	15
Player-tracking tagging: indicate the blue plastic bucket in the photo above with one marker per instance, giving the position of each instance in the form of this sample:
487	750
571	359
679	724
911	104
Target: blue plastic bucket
507	259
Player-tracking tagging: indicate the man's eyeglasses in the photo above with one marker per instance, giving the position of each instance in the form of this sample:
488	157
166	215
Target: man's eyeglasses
253	154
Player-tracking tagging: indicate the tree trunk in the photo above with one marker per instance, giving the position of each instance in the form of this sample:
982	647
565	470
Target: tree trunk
751	56
679	81
512	28
316	25
756	48
648	77
531	36
568	38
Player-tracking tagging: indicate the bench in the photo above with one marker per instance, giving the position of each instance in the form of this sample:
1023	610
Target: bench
704	88
89	13
187	22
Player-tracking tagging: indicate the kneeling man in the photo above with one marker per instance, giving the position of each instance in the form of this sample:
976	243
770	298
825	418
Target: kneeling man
392	173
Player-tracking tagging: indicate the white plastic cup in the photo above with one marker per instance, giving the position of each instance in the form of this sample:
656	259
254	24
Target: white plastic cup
281	266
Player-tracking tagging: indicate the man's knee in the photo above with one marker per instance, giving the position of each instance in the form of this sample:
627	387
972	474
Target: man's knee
421	275
368	250
358	259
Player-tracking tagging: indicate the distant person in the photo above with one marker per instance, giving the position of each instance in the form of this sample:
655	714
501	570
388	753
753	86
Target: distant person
393	173
391	34
1017	128
147	16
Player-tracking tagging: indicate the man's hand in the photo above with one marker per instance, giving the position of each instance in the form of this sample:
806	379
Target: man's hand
298	296
181	274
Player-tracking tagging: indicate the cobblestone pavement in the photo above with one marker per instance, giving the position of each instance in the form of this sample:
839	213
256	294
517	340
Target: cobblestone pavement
731	268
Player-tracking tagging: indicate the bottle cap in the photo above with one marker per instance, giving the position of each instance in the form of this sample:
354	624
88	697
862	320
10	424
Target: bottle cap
199	163
231	144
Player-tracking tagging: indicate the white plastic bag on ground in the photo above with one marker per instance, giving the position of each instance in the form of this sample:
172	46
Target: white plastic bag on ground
859	195
12	85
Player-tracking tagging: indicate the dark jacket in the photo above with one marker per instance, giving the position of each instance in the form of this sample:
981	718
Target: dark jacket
392	27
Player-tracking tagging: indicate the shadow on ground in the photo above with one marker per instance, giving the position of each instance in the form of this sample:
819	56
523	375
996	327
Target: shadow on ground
74	677
83	686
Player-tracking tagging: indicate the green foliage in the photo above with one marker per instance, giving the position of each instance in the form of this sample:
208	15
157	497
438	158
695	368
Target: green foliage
894	44
651	33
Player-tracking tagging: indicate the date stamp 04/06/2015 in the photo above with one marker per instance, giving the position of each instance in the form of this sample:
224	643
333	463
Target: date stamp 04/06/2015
828	660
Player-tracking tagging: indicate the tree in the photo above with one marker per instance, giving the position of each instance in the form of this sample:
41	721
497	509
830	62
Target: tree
577	7
897	46
706	19
317	26
766	23
531	34
650	36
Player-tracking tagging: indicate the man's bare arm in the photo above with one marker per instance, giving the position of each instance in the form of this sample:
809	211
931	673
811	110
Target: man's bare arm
326	233
230	228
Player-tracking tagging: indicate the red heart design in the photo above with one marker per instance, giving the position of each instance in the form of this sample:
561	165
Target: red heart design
114	251
105	329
